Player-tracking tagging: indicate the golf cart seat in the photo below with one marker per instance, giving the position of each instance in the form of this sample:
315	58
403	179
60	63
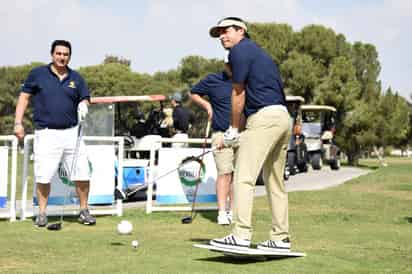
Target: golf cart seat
147	142
327	135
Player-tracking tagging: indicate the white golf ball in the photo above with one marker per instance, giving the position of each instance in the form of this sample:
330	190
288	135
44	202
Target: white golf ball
124	227
135	243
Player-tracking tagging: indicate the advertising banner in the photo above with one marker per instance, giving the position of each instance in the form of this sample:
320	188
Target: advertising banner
178	186
4	151
101	167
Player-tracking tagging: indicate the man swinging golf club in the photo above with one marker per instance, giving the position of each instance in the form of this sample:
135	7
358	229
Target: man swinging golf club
60	100
257	91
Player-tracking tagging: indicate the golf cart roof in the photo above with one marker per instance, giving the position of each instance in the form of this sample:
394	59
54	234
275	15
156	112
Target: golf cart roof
123	99
318	107
295	98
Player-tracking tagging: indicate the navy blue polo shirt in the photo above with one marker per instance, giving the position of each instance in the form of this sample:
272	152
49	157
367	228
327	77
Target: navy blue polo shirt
218	87
55	102
182	117
253	67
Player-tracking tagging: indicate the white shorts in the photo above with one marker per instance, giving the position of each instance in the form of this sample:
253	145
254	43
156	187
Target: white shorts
55	146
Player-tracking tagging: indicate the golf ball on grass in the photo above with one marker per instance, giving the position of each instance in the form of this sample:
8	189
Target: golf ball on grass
124	227
135	243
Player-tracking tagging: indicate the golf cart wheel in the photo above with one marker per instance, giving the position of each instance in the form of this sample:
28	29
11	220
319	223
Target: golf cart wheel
291	161
335	165
317	161
286	175
303	167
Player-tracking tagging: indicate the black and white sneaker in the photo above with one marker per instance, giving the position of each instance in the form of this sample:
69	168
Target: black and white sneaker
279	246
41	220
231	241
85	217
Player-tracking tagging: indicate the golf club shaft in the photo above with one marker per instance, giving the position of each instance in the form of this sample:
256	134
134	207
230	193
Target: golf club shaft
74	164
200	156
197	185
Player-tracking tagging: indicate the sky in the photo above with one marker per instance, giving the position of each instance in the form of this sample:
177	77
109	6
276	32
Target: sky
155	35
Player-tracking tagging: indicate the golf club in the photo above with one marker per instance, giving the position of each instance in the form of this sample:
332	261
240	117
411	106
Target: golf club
58	225
189	219
184	162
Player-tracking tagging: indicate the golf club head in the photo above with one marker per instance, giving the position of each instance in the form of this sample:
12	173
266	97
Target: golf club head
187	220
119	194
55	226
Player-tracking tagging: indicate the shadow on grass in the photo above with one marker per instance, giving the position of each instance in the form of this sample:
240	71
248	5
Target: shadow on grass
117	244
210	215
200	240
408	219
374	167
241	260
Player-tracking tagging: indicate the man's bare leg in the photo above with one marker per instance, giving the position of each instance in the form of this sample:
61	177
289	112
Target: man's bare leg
43	192
82	189
223	186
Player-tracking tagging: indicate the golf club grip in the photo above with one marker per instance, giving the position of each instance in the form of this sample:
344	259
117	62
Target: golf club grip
207	128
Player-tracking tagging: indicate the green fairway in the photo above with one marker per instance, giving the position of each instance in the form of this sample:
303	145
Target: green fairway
363	226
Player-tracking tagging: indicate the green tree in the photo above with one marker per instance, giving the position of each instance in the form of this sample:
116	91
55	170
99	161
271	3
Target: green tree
11	80
109	59
319	42
301	75
193	68
341	90
276	39
365	60
392	127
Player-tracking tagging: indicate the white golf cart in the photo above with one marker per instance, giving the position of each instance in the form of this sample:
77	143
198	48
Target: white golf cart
318	128
125	116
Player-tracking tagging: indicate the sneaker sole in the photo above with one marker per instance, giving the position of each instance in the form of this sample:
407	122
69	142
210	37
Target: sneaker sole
223	223
234	247
86	223
280	249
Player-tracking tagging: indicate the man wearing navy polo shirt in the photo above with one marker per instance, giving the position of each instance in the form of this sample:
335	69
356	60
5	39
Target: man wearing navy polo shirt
257	91
218	88
59	97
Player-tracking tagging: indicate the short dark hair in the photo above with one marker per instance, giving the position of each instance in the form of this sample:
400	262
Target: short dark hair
236	27
63	43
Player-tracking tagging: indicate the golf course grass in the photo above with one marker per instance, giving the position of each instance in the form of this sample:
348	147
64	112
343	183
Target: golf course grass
362	226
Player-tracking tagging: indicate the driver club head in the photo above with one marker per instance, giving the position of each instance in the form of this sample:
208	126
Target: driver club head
55	226
187	220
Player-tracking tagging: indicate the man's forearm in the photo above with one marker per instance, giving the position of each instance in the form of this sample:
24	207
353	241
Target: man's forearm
200	101
238	104
21	106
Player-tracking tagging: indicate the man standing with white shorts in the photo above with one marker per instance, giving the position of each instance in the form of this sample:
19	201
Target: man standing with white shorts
257	91
218	88
60	99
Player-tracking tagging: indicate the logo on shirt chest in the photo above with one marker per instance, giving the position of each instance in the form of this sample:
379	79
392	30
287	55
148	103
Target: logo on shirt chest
72	84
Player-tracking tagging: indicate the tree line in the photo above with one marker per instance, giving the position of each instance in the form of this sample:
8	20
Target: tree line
315	63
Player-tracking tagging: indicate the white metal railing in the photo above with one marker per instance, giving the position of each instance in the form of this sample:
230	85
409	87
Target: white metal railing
118	210
14	142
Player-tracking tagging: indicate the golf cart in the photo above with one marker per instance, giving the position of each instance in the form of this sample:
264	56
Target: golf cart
297	157
318	127
125	116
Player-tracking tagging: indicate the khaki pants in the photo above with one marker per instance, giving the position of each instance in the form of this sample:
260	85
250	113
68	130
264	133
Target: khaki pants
262	146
